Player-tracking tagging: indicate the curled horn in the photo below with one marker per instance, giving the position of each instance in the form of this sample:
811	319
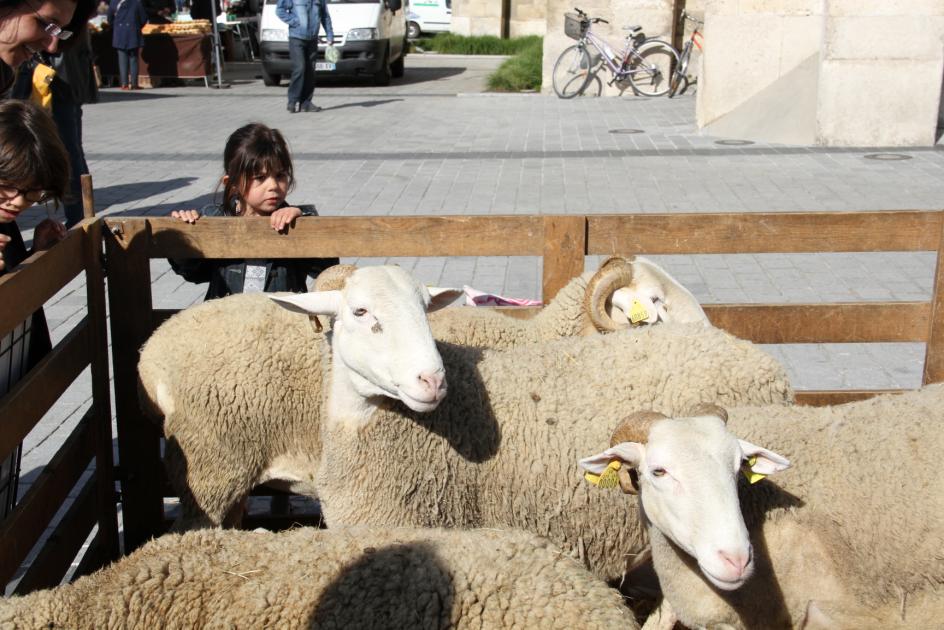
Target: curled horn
615	273
633	428
334	277
710	409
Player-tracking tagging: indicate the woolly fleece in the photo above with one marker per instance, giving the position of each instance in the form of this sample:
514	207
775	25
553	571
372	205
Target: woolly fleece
308	578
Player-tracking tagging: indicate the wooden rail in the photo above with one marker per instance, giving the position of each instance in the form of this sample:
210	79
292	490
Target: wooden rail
562	242
22	291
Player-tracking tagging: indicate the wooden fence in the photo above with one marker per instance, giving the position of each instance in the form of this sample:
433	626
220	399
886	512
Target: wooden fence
22	292
562	242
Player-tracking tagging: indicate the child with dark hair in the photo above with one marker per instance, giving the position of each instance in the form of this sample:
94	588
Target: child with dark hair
34	168
257	177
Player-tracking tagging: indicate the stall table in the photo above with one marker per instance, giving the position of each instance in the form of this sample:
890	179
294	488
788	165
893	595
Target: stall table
163	56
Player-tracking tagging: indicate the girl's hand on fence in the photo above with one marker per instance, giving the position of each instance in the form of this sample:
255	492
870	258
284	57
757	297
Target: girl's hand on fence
188	216
4	239
283	217
47	234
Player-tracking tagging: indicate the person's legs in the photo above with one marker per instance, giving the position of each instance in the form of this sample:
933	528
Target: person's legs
296	53
67	115
133	60
311	56
123	68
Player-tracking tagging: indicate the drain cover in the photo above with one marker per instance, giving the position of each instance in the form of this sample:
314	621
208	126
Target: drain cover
733	143
626	131
887	157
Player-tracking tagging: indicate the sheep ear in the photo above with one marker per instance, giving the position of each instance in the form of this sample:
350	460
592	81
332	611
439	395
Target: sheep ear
441	297
636	306
629	453
761	461
314	303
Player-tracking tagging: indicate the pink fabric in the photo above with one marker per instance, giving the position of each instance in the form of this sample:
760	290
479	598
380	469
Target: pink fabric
474	297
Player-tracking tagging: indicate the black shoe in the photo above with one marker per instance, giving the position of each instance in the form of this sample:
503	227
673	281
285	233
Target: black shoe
308	106
292	108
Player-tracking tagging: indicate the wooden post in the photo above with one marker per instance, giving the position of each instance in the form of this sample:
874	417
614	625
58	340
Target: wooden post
88	196
565	243
934	352
129	299
101	396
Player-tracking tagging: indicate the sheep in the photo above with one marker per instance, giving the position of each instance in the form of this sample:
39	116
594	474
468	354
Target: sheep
499	451
231	426
853	537
308	578
240	409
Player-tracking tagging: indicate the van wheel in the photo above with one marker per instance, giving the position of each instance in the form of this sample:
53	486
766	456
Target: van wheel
413	30
397	67
269	79
383	75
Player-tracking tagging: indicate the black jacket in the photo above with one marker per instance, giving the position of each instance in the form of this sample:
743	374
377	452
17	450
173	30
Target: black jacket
228	276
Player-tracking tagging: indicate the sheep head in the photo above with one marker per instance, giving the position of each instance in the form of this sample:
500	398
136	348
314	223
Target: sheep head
686	477
380	340
613	274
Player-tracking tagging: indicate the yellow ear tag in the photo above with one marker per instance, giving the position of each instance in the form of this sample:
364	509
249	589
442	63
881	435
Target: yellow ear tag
637	312
608	478
750	475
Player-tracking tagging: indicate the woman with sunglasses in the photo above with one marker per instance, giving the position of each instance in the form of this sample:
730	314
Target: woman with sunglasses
30	26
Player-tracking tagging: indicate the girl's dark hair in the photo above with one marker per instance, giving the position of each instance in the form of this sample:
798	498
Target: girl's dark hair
251	150
32	157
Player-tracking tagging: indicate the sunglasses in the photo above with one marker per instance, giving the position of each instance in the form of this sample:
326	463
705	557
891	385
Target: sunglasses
51	28
33	196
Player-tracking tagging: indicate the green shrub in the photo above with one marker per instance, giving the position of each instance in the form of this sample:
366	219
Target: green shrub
448	43
521	72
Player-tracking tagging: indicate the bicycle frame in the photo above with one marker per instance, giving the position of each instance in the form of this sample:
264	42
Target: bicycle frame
606	51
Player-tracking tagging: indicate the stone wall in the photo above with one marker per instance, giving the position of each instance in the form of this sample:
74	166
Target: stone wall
484	17
830	72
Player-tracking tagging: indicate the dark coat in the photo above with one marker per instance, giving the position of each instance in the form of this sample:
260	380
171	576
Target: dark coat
228	276
126	18
15	253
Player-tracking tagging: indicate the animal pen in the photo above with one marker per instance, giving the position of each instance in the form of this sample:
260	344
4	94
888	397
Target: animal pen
120	249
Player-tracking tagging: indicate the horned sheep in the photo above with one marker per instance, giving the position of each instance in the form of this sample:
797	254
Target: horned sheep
499	451
851	537
240	375
308	578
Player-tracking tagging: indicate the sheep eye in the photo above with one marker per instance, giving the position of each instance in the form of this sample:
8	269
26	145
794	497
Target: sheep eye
360	312
658	472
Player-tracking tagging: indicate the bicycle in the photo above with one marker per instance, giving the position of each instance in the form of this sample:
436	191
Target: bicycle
680	76
646	64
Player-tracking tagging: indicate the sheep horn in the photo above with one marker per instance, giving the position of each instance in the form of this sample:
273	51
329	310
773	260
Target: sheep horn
710	409
615	273
334	277
633	428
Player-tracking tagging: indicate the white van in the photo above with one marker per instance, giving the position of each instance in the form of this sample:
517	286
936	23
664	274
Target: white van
369	34
428	16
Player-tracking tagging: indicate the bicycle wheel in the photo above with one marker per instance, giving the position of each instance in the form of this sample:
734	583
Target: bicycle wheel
650	68
571	72
679	77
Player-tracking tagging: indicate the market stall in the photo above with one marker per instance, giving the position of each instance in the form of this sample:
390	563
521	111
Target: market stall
181	50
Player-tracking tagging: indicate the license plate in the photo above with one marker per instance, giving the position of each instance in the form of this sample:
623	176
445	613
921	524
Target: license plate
324	65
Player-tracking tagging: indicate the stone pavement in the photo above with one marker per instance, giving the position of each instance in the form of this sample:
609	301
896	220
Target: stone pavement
433	143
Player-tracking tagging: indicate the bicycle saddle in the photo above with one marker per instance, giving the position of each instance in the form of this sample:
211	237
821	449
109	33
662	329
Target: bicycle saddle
632	28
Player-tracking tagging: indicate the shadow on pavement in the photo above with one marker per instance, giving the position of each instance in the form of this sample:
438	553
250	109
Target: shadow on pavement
114	95
120	193
363	104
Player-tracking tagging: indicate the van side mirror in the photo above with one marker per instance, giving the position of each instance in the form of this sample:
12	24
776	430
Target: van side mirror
394	5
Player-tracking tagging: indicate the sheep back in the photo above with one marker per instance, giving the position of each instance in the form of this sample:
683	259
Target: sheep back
502	449
307	578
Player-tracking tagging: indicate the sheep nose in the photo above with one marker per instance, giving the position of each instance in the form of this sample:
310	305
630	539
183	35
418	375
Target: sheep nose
736	562
433	383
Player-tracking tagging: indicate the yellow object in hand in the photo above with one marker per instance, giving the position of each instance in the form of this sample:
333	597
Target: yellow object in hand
637	312
608	478
41	93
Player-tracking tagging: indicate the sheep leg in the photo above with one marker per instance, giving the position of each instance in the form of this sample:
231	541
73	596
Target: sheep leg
662	618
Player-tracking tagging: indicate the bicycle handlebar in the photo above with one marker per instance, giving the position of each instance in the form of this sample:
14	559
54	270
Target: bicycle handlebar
579	12
599	20
685	16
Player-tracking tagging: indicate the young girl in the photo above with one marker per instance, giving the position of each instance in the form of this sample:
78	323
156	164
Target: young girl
34	167
257	176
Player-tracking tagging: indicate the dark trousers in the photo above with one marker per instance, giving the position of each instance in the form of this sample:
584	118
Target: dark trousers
128	58
68	117
302	53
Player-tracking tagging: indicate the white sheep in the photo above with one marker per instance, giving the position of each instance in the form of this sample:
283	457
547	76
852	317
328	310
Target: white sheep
499	451
307	578
851	537
240	409
237	381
